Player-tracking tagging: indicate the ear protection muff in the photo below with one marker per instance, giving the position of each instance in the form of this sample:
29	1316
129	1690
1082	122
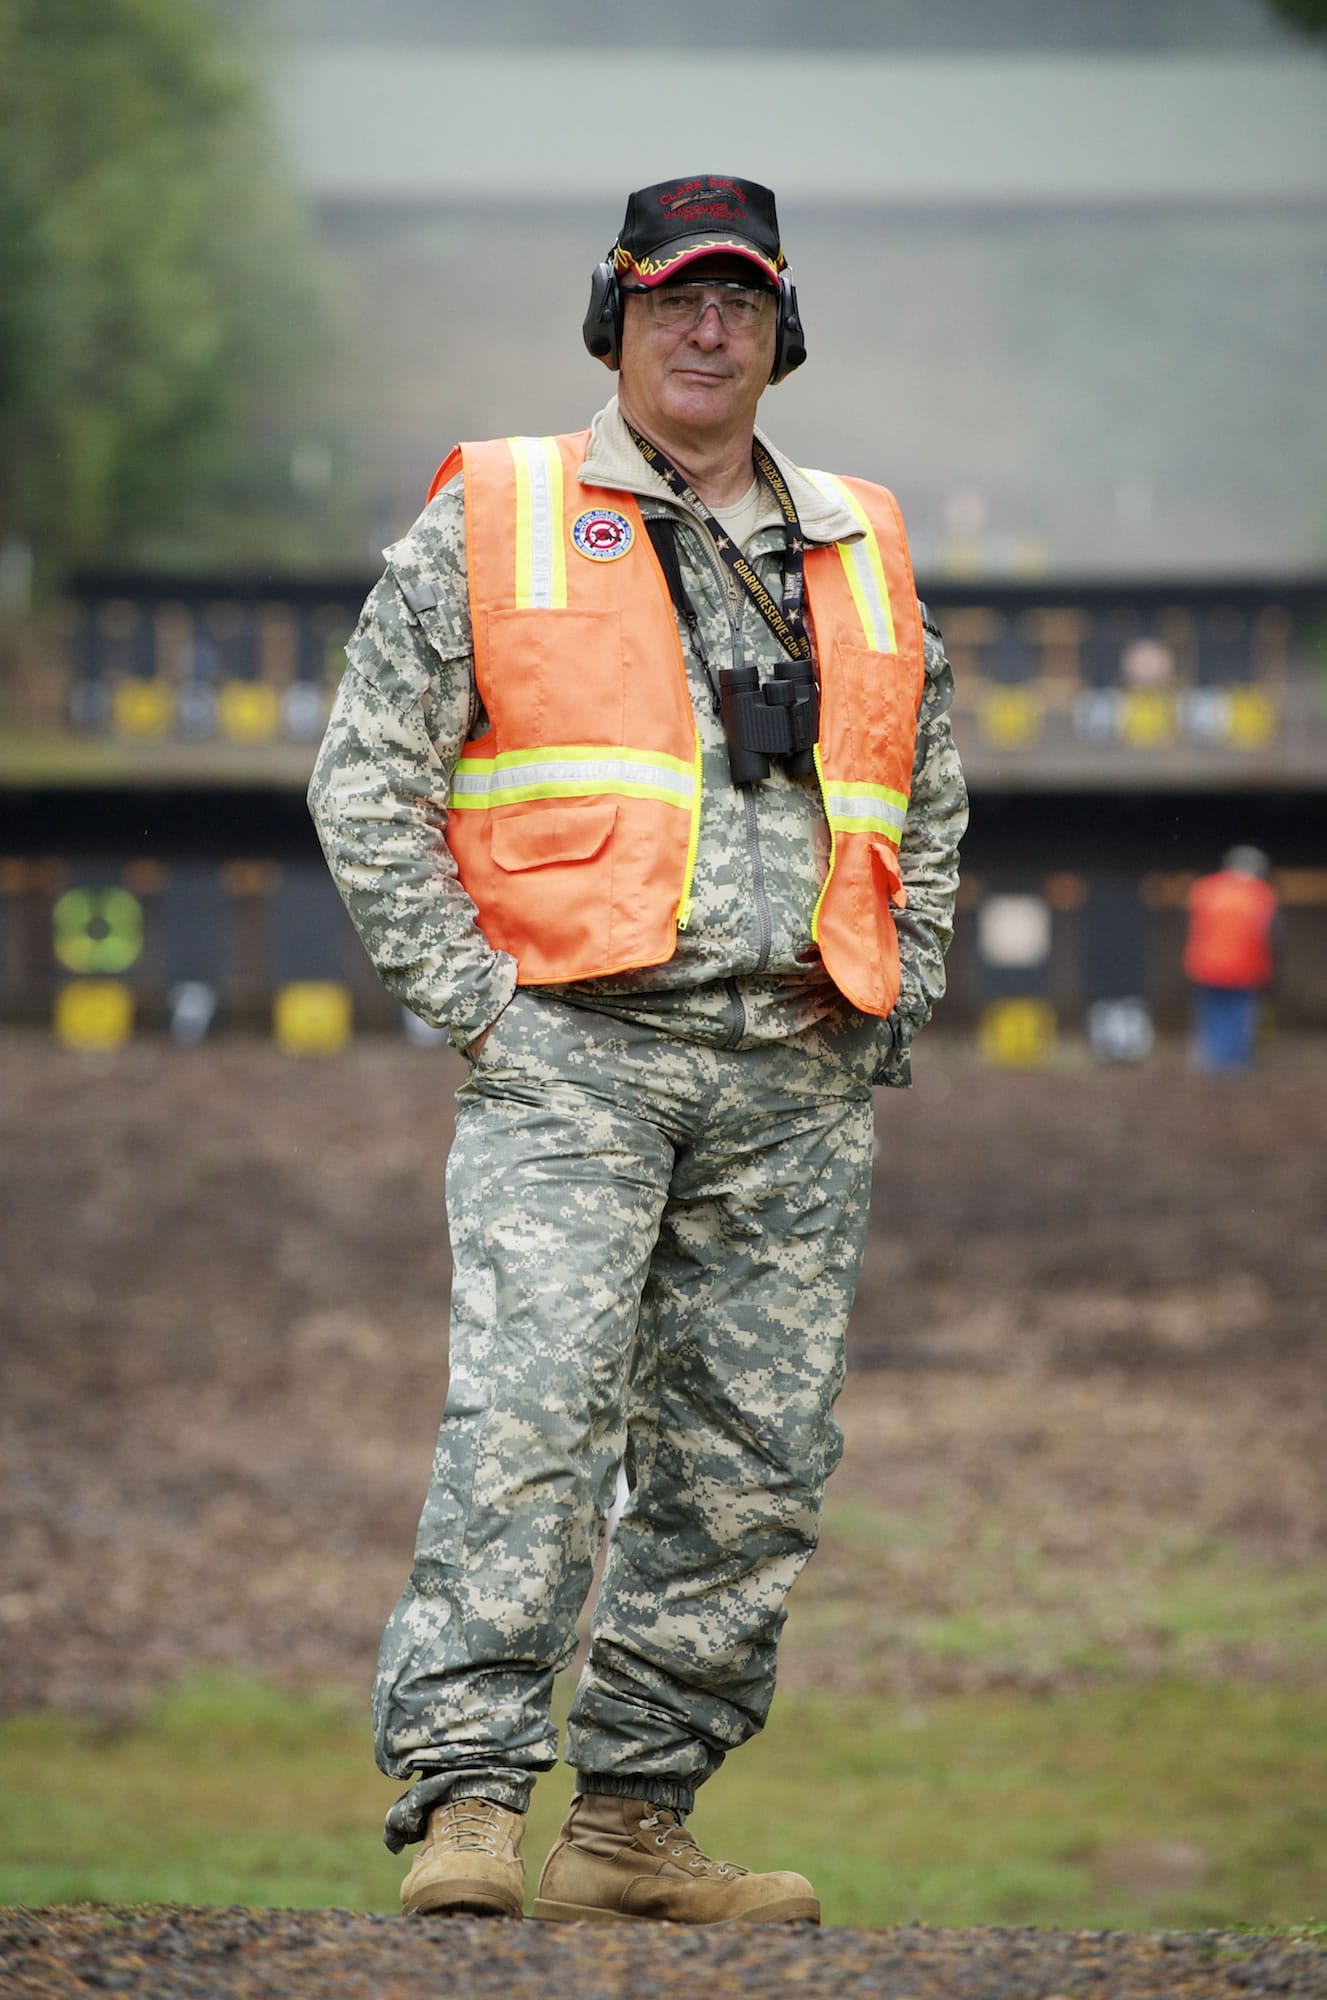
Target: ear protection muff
601	328
789	339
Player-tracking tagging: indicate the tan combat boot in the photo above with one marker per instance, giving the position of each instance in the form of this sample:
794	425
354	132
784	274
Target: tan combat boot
624	1861
470	1863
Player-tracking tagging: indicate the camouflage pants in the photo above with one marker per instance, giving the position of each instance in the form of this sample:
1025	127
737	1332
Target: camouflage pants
656	1246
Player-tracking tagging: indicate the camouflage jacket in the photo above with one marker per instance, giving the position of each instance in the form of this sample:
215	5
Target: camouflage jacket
745	970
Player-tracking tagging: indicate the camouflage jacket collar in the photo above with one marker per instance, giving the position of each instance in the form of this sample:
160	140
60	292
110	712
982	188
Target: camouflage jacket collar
613	460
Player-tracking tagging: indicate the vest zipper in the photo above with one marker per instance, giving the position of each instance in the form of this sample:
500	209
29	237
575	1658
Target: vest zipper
693	844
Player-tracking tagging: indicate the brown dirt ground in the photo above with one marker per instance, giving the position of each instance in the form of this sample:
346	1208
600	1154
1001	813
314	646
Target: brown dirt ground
1086	1362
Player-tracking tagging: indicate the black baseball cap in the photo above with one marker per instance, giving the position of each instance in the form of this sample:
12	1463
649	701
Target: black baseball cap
669	226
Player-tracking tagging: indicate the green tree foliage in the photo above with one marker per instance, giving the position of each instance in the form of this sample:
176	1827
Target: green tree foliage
1310	15
161	333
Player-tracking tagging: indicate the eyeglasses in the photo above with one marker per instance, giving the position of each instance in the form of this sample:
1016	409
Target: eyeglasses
740	307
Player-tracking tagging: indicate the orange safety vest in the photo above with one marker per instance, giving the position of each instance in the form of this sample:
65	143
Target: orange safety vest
1230	930
574	818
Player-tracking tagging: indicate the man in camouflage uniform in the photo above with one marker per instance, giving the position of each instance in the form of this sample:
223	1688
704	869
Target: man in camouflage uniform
657	1193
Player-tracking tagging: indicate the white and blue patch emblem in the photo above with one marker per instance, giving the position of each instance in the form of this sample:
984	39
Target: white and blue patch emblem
602	535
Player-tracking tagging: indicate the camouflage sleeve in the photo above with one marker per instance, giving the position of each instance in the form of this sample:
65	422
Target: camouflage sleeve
405	707
928	859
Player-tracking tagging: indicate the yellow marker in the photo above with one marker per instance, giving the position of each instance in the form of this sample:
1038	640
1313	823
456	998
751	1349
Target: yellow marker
1011	716
1147	718
94	1014
1252	717
312	1017
143	708
248	711
1018	1034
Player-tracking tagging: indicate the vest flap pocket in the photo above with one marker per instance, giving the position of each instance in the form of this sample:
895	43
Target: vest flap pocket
538	836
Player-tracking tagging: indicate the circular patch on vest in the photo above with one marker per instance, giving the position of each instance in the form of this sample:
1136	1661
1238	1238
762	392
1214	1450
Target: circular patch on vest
602	535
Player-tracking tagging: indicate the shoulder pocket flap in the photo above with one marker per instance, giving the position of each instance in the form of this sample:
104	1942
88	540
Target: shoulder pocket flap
538	836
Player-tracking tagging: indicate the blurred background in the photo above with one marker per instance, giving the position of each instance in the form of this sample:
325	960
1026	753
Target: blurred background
1063	269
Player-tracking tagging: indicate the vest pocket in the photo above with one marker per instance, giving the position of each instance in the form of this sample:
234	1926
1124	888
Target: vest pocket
540	836
879	714
553	676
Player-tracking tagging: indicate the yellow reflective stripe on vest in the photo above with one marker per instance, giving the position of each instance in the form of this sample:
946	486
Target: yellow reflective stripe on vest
541	560
863	567
852	808
572	770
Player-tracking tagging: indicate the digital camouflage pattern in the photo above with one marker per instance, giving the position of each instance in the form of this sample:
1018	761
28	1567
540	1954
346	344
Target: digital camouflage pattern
745	971
657	1199
656	1245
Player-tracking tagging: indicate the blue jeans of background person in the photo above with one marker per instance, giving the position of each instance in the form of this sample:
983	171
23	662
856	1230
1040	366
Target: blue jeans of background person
1225	1026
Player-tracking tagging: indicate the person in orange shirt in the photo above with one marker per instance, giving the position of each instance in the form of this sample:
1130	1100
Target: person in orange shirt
1230	957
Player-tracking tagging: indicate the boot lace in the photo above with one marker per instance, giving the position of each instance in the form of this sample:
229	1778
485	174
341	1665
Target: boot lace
468	1826
664	1827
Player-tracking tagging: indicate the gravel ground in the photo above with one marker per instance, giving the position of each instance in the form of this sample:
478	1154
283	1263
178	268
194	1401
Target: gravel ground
331	1955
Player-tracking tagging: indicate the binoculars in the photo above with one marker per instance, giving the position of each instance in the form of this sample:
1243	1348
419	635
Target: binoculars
779	719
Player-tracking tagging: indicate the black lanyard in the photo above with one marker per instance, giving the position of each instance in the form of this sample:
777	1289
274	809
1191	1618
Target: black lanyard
786	622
